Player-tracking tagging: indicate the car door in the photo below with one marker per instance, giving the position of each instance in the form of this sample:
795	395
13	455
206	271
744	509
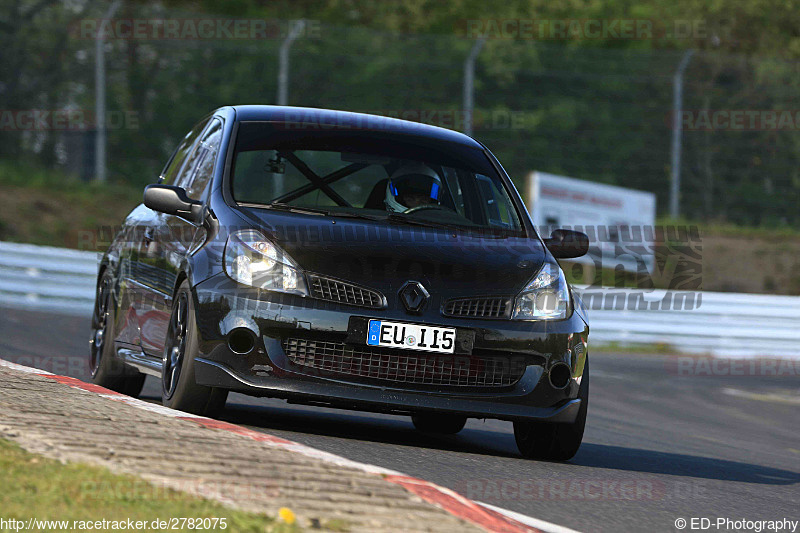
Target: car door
150	280
126	323
176	237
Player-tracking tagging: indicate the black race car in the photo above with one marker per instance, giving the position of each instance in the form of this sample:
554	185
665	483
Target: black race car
351	261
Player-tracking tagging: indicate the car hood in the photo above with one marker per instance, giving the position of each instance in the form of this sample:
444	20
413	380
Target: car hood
385	256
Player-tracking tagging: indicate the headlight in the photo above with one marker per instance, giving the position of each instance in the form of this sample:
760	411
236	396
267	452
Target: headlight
546	297
252	260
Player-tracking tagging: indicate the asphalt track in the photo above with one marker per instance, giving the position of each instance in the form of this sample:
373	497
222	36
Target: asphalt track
665	438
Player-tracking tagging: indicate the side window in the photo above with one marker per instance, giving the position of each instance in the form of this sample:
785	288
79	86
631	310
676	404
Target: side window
171	172
200	166
496	203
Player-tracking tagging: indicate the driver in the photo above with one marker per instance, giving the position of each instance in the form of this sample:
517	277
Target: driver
412	186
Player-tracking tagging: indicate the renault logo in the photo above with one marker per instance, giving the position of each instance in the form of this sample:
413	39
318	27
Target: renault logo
414	296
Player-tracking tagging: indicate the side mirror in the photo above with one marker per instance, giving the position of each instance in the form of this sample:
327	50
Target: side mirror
172	201
567	244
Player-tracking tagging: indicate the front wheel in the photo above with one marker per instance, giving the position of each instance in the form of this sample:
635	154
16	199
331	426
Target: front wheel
106	370
555	442
179	390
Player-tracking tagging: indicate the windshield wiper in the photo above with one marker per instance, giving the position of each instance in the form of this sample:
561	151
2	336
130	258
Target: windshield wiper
400	219
296	209
319	211
395	217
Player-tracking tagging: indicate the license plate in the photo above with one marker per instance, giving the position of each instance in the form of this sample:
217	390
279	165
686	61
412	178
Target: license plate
411	336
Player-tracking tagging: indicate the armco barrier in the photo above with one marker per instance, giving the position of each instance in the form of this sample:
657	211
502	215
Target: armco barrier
729	324
47	278
725	324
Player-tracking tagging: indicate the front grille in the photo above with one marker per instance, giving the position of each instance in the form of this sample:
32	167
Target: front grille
483	307
399	367
343	292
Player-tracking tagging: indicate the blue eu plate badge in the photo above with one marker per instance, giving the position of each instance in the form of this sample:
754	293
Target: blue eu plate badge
411	336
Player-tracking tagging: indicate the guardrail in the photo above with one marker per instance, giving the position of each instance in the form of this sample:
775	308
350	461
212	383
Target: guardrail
729	324
47	278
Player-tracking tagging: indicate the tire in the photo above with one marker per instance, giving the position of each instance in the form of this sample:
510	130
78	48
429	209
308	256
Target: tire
179	389
551	441
105	369
443	424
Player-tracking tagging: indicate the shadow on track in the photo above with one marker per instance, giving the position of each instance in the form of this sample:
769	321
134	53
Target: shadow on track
676	464
398	431
395	430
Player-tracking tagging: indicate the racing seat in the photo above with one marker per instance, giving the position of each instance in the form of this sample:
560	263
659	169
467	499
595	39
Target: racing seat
377	196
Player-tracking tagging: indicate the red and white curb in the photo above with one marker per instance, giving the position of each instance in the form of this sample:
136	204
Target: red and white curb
488	517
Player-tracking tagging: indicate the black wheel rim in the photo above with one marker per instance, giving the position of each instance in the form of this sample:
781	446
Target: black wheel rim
175	348
100	323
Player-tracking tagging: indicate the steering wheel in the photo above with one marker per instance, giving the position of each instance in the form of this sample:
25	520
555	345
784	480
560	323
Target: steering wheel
424	207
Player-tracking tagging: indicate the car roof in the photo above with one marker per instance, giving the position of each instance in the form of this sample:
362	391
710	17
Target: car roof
326	118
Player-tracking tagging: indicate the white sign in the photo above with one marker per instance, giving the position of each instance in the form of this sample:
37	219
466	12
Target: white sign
618	221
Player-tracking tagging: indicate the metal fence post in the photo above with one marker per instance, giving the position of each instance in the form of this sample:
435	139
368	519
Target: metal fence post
100	97
677	105
296	26
469	83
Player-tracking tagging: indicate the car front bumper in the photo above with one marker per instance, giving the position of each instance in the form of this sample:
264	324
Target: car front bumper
223	306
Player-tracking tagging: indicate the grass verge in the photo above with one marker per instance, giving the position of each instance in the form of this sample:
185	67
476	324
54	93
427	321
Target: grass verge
635	348
45	207
45	489
727	229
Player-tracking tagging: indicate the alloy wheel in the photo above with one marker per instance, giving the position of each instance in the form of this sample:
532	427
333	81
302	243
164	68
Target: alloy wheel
175	349
100	323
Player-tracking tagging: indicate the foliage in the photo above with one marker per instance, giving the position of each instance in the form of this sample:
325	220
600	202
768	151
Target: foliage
591	108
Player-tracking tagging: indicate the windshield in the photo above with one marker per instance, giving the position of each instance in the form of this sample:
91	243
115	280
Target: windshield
374	175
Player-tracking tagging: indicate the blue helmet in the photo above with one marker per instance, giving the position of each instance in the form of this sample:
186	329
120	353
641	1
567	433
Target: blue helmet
416	179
